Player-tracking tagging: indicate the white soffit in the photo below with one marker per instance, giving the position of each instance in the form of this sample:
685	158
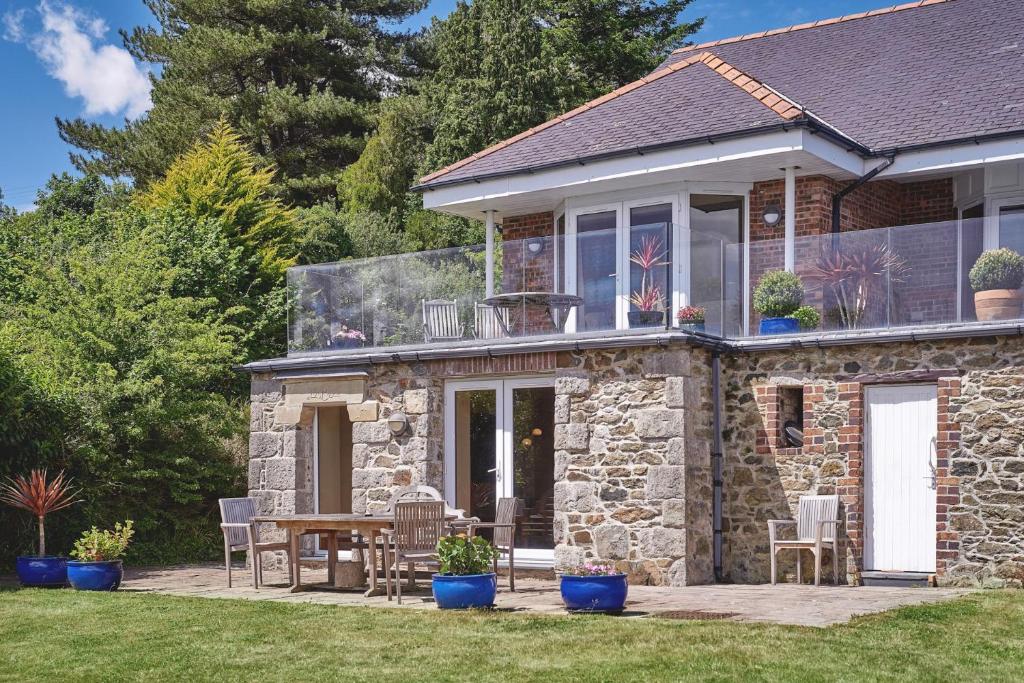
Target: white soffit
959	157
742	160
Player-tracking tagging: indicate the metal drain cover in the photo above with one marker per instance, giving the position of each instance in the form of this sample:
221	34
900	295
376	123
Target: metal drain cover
694	615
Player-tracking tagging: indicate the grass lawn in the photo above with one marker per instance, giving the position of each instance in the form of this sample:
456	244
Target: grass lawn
64	635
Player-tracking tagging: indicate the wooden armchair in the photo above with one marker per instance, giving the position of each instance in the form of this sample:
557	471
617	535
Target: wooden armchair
240	533
418	527
817	528
504	526
490	322
441	321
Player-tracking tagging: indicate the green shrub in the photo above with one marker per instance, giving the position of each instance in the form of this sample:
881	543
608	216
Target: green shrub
997	269
462	556
778	294
807	316
103	546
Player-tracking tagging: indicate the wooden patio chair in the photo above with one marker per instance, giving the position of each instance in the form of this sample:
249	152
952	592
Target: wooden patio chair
817	528
441	320
240	533
504	526
418	527
490	322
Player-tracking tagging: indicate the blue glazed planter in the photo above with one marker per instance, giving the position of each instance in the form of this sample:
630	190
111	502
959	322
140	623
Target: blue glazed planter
594	593
42	571
464	592
692	327
779	326
95	576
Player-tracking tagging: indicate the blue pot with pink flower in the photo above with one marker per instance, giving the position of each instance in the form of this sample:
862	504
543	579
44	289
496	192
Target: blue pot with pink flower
593	587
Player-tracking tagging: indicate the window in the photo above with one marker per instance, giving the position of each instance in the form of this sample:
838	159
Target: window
1011	227
972	243
791	417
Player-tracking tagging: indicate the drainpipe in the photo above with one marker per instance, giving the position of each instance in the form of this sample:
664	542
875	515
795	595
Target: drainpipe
716	465
837	198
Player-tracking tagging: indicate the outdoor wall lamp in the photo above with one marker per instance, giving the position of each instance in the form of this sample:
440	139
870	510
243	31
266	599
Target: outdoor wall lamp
771	215
398	423
535	247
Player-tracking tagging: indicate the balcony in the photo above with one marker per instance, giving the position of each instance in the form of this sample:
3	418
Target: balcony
630	283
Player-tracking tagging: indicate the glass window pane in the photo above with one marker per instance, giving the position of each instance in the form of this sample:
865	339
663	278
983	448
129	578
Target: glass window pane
533	461
716	261
560	250
595	271
475	459
972	240
649	257
1011	228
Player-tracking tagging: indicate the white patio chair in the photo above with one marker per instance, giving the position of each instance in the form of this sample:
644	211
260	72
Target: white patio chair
504	540
240	533
441	321
817	527
490	322
418	527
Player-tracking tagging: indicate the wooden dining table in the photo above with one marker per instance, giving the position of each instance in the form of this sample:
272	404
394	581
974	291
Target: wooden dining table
369	526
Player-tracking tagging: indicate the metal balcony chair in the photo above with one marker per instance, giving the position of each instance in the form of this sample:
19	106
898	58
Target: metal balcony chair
817	528
504	526
418	527
240	533
490	322
441	321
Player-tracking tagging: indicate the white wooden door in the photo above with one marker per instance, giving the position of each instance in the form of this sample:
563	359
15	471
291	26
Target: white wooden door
899	478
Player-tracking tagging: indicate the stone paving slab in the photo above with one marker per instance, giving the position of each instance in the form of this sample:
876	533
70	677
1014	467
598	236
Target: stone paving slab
781	604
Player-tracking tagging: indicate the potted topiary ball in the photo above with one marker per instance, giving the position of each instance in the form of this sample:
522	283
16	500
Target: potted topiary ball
778	295
97	565
594	587
996	279
464	580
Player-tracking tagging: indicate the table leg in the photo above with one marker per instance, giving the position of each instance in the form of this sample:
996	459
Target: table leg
294	535
332	556
374	588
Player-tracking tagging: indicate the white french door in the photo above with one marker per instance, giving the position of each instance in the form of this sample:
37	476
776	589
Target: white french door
499	443
901	424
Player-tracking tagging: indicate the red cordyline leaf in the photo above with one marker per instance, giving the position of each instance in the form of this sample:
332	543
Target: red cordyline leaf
37	495
649	254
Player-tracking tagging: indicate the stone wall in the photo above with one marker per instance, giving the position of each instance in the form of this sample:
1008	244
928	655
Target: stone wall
632	463
980	454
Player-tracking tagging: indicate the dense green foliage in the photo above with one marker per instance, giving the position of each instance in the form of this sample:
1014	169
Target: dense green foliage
997	269
104	546
132	636
461	555
295	78
779	293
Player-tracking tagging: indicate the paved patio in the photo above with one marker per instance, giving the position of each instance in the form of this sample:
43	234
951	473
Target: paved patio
780	604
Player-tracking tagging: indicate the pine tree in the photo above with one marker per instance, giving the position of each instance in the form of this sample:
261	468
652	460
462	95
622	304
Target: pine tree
293	77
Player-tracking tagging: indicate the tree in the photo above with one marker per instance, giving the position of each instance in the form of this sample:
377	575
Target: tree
293	77
229	236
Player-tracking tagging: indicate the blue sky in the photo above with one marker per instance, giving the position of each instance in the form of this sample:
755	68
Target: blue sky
64	58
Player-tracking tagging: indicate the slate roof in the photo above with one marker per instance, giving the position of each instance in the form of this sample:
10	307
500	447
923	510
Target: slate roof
922	73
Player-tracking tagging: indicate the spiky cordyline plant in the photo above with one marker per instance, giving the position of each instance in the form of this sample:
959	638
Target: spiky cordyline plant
39	496
648	256
854	275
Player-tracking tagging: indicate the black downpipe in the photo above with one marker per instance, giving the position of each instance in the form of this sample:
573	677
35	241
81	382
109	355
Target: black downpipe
837	198
716	466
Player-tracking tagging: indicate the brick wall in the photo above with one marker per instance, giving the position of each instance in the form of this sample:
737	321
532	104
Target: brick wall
523	270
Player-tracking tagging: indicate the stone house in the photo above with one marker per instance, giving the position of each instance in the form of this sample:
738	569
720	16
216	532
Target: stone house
664	447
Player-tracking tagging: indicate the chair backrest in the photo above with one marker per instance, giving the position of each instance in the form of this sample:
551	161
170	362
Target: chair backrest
237	511
814	509
418	525
413	493
508	510
441	319
490	322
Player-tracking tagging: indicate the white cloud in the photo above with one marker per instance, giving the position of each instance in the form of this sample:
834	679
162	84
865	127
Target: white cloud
106	77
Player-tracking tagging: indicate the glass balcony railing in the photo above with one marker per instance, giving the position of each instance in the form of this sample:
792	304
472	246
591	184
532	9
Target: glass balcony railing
603	281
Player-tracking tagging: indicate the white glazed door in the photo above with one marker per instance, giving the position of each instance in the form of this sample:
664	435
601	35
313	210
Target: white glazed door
900	478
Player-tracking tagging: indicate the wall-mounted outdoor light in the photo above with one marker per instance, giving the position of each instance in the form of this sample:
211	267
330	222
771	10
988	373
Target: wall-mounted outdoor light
535	247
398	423
771	215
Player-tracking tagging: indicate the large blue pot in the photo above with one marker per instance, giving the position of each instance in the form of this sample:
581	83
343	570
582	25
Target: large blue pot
594	593
779	326
464	592
42	571
95	576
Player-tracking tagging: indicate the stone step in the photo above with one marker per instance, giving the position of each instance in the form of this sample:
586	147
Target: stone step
898	579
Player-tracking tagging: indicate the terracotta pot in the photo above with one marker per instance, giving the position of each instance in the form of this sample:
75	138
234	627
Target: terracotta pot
998	304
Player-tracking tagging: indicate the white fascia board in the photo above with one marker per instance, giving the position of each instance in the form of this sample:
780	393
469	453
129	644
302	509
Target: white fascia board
959	157
831	152
632	166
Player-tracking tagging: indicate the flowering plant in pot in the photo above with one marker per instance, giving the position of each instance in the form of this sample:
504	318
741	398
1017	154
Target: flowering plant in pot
777	296
347	338
996	279
691	318
593	587
648	301
465	578
97	564
40	497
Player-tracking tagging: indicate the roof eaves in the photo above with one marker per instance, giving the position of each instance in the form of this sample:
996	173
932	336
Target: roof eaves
811	24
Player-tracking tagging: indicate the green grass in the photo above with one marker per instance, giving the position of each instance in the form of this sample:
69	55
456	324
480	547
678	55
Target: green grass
63	635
